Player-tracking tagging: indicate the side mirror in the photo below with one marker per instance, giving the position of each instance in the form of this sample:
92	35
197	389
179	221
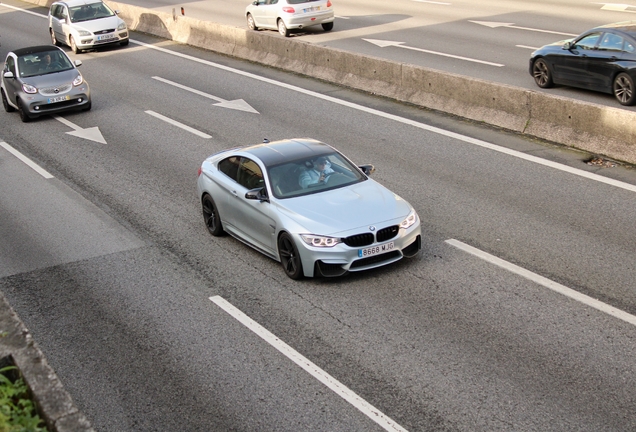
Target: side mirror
78	63
567	46
259	194
368	169
8	74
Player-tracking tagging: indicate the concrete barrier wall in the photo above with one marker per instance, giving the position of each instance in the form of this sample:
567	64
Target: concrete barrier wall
594	128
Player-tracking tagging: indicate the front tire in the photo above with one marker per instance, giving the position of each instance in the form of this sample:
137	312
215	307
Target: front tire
541	73
24	115
624	89
289	257
5	102
211	216
124	42
282	28
74	47
251	24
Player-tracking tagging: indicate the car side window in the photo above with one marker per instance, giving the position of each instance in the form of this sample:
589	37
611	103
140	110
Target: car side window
9	66
629	47
611	42
250	175
587	42
229	166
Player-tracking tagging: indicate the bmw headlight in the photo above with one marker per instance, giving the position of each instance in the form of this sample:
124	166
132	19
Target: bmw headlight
77	81
409	221
28	88
319	241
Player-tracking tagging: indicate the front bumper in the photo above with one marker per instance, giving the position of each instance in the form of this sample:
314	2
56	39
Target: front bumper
38	105
340	259
94	41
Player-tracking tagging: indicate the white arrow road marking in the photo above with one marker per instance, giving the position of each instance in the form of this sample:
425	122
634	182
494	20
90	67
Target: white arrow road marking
92	134
554	286
386	43
493	24
617	7
333	384
238	104
181	125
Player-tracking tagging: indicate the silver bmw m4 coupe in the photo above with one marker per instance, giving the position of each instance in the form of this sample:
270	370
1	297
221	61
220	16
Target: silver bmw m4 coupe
304	204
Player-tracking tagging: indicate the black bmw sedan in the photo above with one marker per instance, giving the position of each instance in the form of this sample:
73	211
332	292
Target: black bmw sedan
601	59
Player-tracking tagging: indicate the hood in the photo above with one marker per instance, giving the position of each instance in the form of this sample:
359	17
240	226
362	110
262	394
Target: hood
99	24
337	211
52	79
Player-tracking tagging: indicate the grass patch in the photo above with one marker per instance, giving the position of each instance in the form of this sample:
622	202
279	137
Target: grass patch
17	410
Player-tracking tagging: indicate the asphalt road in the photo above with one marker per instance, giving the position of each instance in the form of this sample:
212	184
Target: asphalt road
109	264
489	40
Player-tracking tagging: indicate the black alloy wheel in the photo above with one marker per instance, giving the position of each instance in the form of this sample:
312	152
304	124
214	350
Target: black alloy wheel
541	73
211	216
289	257
624	89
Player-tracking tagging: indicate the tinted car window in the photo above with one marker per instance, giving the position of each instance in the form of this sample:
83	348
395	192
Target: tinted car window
10	65
250	175
588	42
229	166
629	47
611	42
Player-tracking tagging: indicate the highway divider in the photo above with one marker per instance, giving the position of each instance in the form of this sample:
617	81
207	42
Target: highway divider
601	130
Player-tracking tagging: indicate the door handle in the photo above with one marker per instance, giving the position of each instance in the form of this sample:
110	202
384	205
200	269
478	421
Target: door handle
234	193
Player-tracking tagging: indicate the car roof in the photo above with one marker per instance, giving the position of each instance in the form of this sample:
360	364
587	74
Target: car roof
627	27
35	49
277	152
71	3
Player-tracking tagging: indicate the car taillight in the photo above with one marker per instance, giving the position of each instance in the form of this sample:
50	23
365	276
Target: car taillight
289	9
200	171
328	3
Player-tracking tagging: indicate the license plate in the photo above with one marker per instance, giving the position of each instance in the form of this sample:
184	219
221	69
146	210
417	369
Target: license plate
375	250
312	9
58	99
105	37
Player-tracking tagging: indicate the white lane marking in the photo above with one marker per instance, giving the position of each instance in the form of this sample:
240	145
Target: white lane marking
554	286
387	43
238	104
341	390
616	7
24	10
176	123
494	24
26	160
403	120
527	47
432	2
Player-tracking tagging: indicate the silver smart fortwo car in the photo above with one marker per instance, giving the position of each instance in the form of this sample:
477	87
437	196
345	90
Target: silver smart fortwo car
42	80
304	204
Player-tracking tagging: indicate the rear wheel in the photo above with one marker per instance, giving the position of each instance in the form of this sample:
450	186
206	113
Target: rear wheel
251	24
282	28
541	73
624	89
54	40
289	257
5	102
327	26
211	216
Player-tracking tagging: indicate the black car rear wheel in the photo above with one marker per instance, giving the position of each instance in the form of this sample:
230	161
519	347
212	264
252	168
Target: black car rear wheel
211	216
541	73
327	26
289	257
624	89
5	102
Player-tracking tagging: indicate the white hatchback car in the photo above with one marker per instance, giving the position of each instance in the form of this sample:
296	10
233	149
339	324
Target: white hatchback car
286	15
85	24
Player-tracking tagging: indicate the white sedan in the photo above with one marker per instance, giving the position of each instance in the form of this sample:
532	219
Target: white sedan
286	15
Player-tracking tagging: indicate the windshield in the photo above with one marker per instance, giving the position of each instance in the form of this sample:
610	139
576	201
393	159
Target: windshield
307	176
90	12
43	63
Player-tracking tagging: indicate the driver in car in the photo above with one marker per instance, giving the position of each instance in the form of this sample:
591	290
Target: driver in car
318	174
